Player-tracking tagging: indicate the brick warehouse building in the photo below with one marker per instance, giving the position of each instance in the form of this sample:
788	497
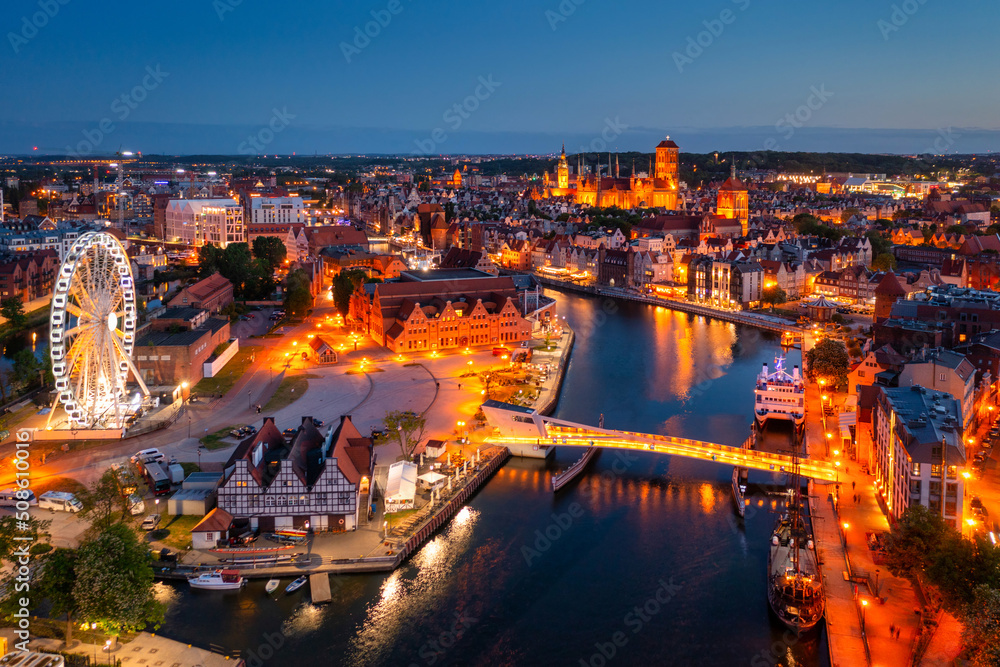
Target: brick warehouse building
443	309
170	355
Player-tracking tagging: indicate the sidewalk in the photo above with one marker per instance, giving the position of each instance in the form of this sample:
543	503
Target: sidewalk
874	584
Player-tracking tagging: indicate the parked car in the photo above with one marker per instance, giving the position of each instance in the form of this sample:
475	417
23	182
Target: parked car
317	422
244	318
151	522
379	433
290	432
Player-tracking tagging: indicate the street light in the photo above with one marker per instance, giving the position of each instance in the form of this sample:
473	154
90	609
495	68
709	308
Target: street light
249	400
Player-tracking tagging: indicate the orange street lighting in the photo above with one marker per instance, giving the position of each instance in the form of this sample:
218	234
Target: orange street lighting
846	525
966	474
470	362
836	452
829	435
824	397
864	603
836	463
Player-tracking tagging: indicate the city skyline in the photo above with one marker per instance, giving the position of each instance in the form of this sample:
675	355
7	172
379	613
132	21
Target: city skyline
383	77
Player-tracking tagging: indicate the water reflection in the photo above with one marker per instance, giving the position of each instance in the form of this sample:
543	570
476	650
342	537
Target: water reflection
420	591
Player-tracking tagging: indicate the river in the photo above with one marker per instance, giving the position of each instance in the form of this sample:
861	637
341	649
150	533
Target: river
642	561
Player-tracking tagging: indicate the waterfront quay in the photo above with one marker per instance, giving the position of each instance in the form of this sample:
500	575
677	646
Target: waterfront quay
757	320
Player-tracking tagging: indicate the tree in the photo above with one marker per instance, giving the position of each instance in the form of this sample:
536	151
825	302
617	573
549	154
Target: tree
879	243
828	359
981	629
343	286
104	503
25	367
408	429
298	297
12	309
56	585
114	582
271	249
773	296
910	538
849	213
957	229
884	262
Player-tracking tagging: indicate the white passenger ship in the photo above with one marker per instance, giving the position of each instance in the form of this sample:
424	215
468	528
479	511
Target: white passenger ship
779	395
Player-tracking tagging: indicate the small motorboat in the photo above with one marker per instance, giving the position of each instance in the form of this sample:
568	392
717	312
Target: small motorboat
296	585
272	585
219	580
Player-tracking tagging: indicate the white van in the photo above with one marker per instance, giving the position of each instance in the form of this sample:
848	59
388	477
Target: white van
147	455
60	501
8	497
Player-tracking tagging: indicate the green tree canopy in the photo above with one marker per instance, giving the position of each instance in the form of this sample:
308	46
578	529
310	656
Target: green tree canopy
884	262
271	249
114	582
12	309
298	297
828	359
104	503
981	629
774	296
57	583
407	428
879	243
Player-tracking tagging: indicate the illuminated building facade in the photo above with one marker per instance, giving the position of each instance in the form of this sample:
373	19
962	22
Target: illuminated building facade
660	190
734	202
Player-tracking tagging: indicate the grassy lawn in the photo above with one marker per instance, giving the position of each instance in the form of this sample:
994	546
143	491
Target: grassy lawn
214	440
175	531
290	390
228	376
396	517
190	468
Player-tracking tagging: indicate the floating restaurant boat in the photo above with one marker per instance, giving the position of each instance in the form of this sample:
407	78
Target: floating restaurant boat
219	580
251	551
780	395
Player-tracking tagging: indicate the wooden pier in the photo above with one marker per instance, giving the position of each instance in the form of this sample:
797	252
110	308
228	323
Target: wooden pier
319	588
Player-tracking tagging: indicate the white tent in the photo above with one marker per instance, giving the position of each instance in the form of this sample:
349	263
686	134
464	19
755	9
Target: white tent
401	487
429	480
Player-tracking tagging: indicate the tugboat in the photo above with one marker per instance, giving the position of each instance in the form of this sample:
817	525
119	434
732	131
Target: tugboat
780	395
794	585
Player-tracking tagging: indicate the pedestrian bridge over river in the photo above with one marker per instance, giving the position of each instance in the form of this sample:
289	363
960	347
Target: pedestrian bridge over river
520	428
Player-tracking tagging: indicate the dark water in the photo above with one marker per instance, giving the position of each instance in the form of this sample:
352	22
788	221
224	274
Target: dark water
640	562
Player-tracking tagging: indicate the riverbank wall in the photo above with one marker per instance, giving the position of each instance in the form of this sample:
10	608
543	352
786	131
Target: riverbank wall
765	322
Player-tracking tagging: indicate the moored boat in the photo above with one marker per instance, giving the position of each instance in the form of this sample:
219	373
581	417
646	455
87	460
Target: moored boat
219	580
780	395
296	585
271	586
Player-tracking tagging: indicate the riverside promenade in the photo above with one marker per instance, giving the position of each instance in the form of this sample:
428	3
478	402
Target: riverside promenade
863	600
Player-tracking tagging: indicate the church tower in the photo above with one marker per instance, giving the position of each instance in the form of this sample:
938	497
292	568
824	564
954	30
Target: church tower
666	162
562	171
734	201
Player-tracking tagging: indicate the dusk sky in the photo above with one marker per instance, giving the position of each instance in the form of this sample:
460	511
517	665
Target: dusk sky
889	80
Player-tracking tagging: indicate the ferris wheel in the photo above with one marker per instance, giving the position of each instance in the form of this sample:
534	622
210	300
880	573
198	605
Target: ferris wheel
92	326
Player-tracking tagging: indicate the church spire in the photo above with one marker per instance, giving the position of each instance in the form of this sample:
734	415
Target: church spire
618	171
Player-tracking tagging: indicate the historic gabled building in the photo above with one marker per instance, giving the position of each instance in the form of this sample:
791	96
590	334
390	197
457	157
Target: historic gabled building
315	482
442	309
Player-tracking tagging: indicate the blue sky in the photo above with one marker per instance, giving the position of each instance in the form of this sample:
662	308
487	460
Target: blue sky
560	70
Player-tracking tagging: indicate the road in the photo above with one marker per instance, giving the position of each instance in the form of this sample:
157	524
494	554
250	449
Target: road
430	385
